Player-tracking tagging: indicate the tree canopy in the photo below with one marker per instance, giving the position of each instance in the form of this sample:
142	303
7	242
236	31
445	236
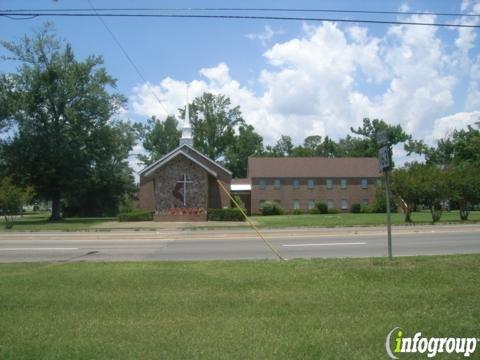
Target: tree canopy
64	139
158	138
213	122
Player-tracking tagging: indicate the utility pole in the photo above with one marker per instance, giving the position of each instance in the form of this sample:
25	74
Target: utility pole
384	164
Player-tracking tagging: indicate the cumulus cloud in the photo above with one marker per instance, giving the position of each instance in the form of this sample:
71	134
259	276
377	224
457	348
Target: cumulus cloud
331	77
445	126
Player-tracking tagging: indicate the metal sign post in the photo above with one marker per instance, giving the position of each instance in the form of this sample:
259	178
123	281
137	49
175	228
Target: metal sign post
389	215
384	164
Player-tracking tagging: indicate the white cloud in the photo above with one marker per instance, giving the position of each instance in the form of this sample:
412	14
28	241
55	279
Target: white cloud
404	8
331	77
265	36
445	126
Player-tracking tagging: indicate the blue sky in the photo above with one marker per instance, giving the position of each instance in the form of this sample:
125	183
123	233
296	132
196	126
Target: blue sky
289	77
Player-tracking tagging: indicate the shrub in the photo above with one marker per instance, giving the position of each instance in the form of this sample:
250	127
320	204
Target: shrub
313	211
380	204
333	211
356	208
126	205
366	209
271	208
136	215
240	203
297	212
225	215
322	207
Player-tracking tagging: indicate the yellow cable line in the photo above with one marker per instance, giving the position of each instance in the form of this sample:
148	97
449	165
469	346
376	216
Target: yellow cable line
249	221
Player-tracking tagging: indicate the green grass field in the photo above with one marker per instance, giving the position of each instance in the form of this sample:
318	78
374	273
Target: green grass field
348	219
300	309
39	222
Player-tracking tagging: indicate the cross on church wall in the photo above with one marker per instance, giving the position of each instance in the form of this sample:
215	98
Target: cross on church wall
182	183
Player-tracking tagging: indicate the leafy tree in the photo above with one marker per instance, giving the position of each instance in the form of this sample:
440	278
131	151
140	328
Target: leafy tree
213	122
459	155
12	199
158	138
313	143
380	204
356	147
311	147
371	128
433	187
405	187
465	184
5	102
61	108
329	148
314	146
466	146
246	143
462	146
110	180
283	147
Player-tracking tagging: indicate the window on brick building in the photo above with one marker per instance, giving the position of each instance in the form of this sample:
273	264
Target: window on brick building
330	204
364	183
311	183
344	204
329	183
311	204
261	183
296	204
276	183
296	183
343	183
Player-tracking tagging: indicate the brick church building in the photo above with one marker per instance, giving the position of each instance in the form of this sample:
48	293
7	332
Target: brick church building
187	179
183	179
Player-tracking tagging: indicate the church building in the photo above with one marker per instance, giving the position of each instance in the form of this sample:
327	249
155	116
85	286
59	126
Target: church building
184	184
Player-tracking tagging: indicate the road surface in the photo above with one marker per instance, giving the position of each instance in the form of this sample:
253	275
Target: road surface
236	244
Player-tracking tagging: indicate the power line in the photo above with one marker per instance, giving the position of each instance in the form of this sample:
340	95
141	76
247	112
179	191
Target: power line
379	12
20	18
137	70
247	17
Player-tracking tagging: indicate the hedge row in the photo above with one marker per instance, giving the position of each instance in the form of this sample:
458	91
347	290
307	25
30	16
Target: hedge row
136	215
225	215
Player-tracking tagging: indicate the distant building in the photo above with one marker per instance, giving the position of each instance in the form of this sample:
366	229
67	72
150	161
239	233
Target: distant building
300	182
187	179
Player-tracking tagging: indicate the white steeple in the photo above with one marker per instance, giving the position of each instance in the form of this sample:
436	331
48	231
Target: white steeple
187	129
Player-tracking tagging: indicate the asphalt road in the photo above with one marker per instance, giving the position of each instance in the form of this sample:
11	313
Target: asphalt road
236	244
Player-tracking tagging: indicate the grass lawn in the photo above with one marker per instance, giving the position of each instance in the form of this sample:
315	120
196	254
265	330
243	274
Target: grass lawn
39	222
300	309
348	219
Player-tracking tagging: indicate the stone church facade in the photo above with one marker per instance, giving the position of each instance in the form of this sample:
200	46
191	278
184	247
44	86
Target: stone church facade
184	178
184	183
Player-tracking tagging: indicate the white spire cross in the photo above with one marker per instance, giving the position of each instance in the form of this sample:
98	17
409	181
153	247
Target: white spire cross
187	129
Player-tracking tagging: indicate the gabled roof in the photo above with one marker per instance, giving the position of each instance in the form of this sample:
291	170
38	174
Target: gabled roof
186	151
312	167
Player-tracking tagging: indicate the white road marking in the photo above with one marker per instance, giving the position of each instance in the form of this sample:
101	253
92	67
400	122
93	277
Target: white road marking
327	244
33	248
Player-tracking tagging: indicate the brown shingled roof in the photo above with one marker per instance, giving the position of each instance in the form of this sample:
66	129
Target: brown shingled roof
241	181
312	167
